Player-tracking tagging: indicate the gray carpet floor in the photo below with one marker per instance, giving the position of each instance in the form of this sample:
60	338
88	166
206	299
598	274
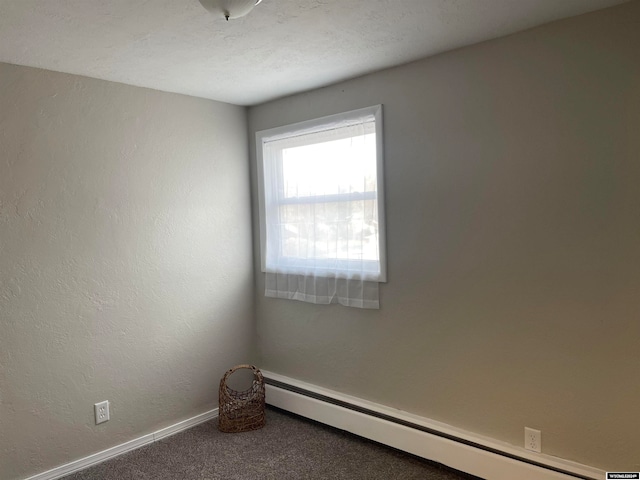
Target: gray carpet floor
288	447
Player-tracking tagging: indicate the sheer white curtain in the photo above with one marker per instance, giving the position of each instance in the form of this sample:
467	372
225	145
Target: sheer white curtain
321	213
323	290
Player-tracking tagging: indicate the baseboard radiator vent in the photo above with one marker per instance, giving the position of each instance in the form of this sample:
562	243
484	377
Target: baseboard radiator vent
435	441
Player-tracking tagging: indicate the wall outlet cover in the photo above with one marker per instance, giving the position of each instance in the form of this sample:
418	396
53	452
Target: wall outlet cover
532	439
101	411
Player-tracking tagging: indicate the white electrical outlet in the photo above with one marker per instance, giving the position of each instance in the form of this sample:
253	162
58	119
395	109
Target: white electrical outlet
532	439
102	411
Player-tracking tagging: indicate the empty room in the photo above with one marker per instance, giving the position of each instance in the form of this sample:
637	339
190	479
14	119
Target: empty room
415	222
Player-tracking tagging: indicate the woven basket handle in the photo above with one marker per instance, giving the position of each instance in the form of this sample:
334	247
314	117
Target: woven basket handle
257	374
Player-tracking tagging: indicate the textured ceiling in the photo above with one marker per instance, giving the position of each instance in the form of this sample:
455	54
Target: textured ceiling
281	47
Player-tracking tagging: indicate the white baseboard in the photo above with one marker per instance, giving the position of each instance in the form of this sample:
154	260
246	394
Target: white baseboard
456	448
109	453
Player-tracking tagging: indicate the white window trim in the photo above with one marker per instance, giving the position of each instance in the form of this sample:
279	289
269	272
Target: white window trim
376	111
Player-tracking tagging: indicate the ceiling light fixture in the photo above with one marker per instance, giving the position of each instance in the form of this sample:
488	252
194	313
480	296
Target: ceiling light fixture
230	8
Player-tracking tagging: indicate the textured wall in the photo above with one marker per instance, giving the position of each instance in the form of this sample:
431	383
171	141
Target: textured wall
513	227
125	262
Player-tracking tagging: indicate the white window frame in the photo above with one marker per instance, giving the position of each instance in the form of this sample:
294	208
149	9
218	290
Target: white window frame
299	127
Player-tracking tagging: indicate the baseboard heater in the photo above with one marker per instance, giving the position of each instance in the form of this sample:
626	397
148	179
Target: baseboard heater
432	440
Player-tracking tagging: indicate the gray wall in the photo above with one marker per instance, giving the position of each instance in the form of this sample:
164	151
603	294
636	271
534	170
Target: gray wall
125	262
513	227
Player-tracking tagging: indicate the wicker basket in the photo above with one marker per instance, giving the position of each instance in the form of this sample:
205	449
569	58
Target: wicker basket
241	411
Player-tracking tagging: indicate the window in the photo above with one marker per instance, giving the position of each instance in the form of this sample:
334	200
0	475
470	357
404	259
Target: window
321	202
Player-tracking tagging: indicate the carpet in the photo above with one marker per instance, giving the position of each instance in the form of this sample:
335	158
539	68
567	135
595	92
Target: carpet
288	447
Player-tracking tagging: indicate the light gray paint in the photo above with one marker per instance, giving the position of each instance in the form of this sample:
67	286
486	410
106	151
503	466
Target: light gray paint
125	262
281	47
513	227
